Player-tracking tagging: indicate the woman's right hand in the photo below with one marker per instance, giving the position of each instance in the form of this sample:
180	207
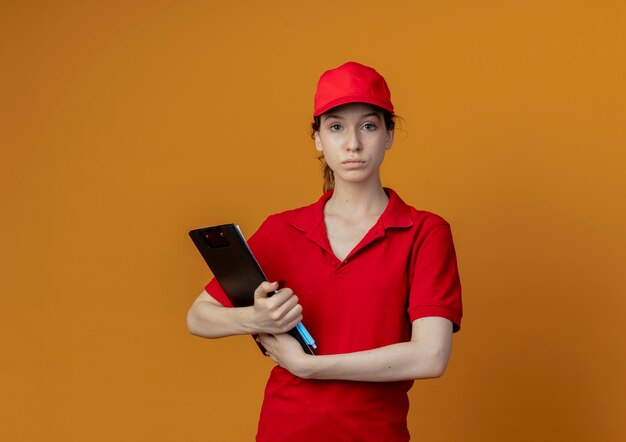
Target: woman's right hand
277	313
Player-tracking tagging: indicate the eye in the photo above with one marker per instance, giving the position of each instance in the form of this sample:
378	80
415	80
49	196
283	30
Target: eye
335	127
369	126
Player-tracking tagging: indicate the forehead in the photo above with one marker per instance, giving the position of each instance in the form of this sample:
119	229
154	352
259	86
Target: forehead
353	110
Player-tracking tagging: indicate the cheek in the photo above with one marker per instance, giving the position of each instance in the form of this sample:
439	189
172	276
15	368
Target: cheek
380	155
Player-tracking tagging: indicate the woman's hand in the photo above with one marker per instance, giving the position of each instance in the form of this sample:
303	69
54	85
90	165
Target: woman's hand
275	314
286	352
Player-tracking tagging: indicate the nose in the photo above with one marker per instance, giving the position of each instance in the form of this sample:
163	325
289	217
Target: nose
353	143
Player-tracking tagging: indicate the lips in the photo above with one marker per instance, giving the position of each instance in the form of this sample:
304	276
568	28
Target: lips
353	164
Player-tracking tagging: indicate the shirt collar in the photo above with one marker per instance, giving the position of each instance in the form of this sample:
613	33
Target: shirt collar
397	214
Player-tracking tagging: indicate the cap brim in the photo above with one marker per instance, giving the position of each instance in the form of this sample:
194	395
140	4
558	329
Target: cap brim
351	99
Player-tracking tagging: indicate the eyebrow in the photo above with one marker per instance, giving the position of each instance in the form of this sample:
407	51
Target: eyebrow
339	117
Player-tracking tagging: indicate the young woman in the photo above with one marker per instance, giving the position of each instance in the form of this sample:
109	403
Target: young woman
374	280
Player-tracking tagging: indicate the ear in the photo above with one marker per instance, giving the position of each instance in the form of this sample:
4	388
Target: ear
389	140
318	141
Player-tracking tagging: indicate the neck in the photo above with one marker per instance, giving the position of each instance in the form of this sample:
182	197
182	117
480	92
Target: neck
354	200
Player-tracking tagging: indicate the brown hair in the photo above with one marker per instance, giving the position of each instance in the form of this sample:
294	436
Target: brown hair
329	177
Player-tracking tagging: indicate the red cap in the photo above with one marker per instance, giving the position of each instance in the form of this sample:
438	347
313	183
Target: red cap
351	83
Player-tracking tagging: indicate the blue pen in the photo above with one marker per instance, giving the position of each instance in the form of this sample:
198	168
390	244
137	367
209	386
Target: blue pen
306	335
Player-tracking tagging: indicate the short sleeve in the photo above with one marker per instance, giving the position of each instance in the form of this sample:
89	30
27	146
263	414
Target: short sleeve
435	287
257	245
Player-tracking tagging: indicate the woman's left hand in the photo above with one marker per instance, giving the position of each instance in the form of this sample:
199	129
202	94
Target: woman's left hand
286	352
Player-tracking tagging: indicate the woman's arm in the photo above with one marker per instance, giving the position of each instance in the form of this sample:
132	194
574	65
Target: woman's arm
424	356
279	313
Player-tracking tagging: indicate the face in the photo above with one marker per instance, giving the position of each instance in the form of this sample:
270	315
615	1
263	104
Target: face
353	139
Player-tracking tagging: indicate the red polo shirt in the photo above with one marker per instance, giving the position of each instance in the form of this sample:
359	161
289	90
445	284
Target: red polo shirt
403	269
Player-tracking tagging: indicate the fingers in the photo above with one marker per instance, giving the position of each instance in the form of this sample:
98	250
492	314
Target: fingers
282	349
287	311
285	301
262	338
292	317
281	302
263	290
267	341
277	313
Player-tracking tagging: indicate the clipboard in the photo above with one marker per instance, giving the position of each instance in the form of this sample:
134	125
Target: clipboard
229	257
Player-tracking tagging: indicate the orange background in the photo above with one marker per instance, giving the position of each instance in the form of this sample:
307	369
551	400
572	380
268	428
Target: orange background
125	124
